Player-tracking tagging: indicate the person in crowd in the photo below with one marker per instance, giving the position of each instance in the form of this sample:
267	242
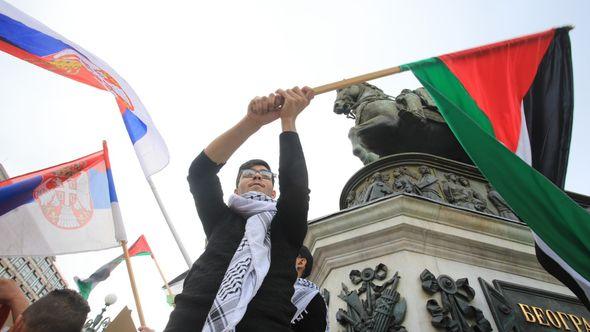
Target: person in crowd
244	279
312	313
61	310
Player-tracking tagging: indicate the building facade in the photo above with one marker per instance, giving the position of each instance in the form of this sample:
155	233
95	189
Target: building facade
36	276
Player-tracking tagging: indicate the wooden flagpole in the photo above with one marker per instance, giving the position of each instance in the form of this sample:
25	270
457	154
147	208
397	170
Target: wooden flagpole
162	275
358	79
132	281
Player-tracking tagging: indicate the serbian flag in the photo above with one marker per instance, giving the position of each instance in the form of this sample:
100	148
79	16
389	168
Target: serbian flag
28	39
62	209
139	248
510	105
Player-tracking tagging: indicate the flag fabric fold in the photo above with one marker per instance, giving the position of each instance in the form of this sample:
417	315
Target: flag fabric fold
62	209
139	248
510	105
29	40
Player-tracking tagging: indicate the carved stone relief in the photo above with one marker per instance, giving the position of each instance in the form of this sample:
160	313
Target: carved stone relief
458	191
381	310
460	185
500	203
454	314
377	188
428	184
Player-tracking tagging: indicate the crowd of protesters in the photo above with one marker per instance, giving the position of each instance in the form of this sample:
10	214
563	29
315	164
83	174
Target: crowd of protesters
251	276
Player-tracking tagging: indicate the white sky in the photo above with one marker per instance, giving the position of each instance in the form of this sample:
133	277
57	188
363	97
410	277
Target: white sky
196	65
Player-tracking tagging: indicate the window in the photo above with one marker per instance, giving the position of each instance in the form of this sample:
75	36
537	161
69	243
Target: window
7	274
42	291
27	272
4	270
36	285
18	262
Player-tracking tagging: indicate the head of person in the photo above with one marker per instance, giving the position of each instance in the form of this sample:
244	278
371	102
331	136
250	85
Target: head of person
423	170
451	177
464	181
304	263
61	310
255	175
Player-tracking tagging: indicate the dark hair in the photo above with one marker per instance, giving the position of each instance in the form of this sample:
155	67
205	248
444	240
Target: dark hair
251	163
305	253
61	310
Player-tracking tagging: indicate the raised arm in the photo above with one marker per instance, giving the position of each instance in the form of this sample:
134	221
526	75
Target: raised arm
261	111
293	203
294	101
202	178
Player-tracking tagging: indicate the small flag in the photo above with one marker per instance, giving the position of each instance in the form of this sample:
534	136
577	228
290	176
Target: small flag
30	40
85	286
139	248
510	105
63	209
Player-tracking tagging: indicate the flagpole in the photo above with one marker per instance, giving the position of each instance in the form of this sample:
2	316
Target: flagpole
162	275
357	79
187	258
132	281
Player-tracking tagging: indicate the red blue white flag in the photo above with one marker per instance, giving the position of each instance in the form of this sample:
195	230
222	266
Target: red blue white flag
62	209
26	38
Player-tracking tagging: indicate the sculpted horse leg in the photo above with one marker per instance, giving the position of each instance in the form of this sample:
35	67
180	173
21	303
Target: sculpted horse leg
358	149
362	136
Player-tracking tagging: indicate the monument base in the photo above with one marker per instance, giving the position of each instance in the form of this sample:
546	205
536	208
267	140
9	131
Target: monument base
446	256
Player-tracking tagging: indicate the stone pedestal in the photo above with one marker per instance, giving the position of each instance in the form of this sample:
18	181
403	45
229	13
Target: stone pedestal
409	234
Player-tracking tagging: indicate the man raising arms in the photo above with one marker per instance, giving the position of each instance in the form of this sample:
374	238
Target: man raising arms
244	279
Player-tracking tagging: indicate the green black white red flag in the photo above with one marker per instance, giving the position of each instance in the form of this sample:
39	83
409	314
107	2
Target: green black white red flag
510	105
139	248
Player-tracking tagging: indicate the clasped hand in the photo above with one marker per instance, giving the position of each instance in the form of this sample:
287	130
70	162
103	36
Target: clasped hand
284	104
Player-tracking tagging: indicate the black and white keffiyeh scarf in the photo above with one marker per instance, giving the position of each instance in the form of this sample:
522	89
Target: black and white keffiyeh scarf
248	266
305	291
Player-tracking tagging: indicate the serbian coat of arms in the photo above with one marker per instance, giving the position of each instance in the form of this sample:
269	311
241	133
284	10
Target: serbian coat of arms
64	197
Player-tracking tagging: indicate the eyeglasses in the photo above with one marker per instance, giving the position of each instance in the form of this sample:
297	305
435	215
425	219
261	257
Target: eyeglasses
264	174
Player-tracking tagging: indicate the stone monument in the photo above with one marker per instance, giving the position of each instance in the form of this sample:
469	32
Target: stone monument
422	242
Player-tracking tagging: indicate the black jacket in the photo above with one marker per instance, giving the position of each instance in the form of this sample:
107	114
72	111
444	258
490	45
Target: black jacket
271	308
313	318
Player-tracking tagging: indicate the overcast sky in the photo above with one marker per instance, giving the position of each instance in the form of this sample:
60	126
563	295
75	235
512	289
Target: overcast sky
196	64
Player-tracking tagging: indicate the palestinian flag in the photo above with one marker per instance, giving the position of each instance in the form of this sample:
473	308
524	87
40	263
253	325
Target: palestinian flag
510	105
139	248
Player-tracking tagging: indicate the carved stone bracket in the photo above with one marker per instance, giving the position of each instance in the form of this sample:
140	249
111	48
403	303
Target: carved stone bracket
382	310
455	314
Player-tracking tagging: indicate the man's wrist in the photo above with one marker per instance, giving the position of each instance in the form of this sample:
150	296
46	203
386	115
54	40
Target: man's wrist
288	124
251	124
